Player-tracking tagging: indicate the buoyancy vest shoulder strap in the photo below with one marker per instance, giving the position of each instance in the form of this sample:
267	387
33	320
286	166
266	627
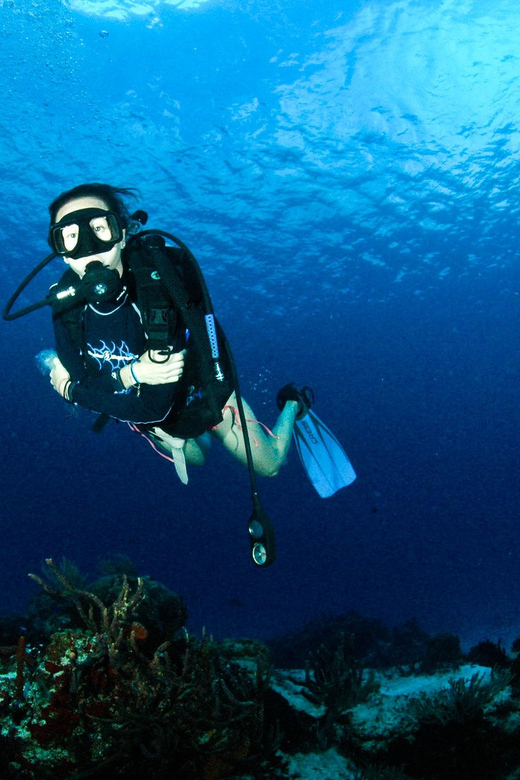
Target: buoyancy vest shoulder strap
162	281
160	318
69	311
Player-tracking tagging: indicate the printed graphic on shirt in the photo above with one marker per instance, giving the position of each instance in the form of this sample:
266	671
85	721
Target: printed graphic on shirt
193	393
115	356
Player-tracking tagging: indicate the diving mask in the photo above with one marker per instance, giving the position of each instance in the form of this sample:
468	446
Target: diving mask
85	232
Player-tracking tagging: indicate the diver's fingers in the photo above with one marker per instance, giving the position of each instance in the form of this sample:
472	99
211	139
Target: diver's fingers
171	373
158	358
171	370
153	369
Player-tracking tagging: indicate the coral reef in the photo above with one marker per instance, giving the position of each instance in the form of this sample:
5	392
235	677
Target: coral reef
336	681
462	701
487	653
373	644
456	738
292	650
103	681
97	700
442	651
446	726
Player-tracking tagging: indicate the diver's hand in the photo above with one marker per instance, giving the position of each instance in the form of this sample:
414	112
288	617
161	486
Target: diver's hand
164	372
59	377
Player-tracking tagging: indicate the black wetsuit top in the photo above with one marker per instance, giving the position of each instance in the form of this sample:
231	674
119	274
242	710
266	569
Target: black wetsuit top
107	336
113	336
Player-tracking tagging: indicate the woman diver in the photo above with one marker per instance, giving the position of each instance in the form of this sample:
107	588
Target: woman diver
137	341
104	361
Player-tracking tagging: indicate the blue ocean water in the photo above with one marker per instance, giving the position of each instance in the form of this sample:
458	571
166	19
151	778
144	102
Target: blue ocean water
347	175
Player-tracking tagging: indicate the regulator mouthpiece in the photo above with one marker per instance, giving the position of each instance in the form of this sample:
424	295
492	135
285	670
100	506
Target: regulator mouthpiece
100	283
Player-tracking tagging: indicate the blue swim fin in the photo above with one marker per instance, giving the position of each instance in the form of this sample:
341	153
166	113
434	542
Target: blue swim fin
322	455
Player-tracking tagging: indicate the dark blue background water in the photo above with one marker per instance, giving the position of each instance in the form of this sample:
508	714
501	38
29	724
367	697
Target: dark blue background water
347	175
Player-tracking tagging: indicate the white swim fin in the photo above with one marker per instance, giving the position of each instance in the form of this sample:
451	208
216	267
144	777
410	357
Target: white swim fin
322	456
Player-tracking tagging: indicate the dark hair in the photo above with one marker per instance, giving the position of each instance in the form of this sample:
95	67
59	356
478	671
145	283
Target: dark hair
112	196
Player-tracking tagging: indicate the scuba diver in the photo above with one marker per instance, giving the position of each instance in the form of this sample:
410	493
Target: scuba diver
136	340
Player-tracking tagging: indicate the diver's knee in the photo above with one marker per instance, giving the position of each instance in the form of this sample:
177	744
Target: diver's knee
195	455
267	469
